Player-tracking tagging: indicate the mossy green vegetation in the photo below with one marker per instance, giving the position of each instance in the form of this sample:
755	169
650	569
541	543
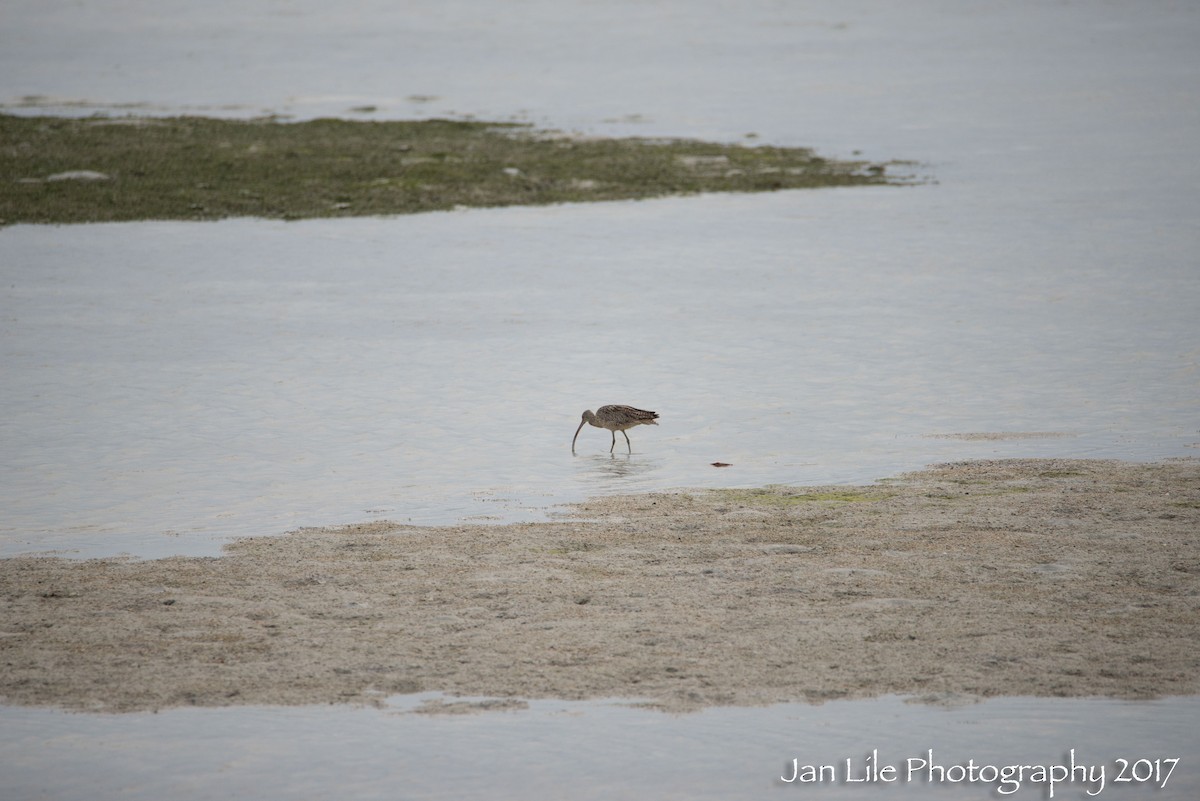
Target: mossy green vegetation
99	169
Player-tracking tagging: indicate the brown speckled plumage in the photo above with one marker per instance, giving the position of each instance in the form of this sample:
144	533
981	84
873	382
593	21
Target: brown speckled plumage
616	417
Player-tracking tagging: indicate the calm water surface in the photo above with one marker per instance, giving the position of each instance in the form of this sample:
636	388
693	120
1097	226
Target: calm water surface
167	386
596	750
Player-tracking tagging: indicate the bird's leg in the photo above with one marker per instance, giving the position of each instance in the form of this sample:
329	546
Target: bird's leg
614	442
628	444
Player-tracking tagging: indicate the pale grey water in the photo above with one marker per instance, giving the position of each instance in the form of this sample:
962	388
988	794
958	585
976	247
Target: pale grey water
167	386
171	384
597	750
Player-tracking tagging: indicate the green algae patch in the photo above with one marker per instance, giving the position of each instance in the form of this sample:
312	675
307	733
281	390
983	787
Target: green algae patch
103	169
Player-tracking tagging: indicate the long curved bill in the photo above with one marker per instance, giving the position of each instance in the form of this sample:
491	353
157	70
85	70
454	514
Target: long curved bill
581	422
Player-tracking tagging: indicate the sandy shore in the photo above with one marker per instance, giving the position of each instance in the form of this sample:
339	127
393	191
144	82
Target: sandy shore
1033	577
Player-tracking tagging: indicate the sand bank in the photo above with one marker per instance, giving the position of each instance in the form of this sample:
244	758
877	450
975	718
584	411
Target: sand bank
1030	577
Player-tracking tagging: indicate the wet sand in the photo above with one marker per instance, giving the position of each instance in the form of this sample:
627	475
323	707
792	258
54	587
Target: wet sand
1016	577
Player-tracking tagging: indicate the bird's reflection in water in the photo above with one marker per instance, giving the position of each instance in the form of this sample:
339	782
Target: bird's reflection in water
619	472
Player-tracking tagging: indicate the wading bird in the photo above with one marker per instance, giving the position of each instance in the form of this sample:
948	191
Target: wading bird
616	418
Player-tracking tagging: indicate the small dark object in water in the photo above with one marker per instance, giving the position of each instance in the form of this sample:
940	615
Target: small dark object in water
721	464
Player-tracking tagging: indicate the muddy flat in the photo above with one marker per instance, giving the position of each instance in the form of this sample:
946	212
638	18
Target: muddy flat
1016	577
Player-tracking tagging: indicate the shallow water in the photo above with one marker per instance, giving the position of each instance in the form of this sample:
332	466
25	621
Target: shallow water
166	386
597	750
169	385
172	384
